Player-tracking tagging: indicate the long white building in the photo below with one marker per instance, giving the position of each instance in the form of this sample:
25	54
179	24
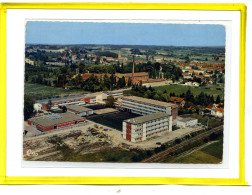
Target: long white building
187	122
144	106
143	127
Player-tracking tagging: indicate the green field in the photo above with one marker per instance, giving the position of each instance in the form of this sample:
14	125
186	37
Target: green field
38	91
210	154
179	89
113	120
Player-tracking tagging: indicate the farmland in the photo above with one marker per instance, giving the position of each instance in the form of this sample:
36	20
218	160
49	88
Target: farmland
179	89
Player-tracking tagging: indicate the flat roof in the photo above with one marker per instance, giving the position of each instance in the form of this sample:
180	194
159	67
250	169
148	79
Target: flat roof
187	119
149	101
54	119
67	98
146	118
78	108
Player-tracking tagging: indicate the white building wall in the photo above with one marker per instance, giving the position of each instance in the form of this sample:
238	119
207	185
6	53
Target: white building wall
124	130
148	129
143	109
144	131
187	123
170	124
37	107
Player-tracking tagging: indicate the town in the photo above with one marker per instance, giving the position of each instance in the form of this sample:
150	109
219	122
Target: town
117	103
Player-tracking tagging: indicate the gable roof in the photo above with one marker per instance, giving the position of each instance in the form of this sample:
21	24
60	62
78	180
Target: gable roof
176	99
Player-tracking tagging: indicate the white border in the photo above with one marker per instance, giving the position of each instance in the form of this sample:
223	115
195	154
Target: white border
15	47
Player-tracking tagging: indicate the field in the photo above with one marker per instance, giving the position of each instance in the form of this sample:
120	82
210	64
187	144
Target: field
179	89
211	154
113	120
38	91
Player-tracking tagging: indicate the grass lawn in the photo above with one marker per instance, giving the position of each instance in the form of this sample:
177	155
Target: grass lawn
210	154
113	120
179	89
38	91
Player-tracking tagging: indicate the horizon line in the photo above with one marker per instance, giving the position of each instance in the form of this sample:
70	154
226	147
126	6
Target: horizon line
124	45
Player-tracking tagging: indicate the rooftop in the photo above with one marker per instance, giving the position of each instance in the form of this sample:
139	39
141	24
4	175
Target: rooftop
78	108
176	99
65	99
55	119
136	74
146	118
149	101
187	119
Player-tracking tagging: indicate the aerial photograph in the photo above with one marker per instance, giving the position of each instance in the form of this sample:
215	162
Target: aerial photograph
124	92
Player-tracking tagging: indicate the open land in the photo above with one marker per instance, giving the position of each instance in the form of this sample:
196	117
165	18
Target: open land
209	153
38	91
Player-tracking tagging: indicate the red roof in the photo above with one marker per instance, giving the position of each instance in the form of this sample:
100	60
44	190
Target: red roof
137	74
176	99
219	109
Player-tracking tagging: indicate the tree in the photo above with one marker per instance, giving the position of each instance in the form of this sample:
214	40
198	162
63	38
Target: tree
64	109
110	102
121	82
49	104
129	82
28	106
218	100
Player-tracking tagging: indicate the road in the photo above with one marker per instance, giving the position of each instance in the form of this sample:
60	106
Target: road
177	147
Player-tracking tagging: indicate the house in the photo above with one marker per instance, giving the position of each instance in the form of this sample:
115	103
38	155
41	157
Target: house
179	101
217	112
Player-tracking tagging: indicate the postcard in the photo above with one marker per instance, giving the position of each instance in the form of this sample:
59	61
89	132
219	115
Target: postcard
124	92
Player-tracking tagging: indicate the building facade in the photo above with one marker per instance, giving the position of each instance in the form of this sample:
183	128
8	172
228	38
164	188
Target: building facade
187	122
144	106
144	127
80	110
66	101
55	121
217	112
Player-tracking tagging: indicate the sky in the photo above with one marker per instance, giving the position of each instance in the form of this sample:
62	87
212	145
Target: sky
63	33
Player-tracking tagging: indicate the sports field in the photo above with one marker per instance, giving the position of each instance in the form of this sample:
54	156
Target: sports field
113	119
179	89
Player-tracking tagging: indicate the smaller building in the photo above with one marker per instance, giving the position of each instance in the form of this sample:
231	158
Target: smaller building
80	110
55	121
143	127
187	122
37	107
217	112
179	101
